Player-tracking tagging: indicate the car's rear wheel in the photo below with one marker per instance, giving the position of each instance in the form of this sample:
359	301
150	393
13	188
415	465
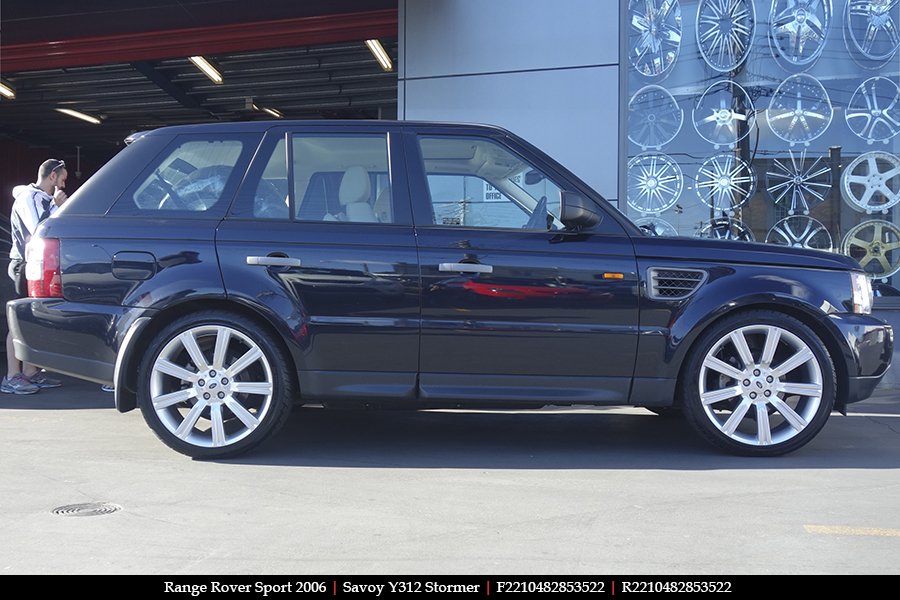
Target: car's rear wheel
760	383
213	385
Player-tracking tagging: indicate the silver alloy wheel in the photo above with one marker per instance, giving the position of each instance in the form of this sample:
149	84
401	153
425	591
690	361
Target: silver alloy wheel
211	386
725	32
654	183
800	110
871	182
725	182
724	114
800	232
654	117
872	28
654	36
724	228
798	29
760	385
800	184
873	113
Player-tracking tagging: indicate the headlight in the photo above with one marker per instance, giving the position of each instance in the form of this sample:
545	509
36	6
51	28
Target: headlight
862	292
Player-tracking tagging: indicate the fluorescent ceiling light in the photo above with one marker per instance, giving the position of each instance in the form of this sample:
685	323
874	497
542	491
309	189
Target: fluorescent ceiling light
7	91
79	115
208	70
272	111
380	54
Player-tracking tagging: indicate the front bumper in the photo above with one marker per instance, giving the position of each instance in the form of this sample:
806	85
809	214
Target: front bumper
868	347
77	339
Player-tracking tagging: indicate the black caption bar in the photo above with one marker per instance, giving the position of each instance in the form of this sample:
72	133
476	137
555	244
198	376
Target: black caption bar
281	587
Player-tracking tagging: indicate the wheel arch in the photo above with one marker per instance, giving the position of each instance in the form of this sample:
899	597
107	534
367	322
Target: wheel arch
811	319
126	384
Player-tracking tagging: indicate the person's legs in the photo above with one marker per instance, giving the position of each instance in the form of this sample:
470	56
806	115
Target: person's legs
15	382
13	366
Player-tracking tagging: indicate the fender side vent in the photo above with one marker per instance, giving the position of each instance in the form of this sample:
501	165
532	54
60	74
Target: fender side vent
674	284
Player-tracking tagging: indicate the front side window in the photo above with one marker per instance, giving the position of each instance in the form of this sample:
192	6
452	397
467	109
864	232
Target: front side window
190	178
475	182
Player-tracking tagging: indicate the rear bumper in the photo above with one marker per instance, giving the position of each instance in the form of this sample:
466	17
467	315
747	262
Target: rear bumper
77	339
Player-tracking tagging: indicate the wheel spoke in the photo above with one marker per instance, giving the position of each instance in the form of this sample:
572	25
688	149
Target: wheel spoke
800	358
238	410
169	368
763	428
740	343
789	414
187	426
736	417
243	362
800	389
715	396
711	362
773	335
167	400
218	426
254	387
190	344
223	337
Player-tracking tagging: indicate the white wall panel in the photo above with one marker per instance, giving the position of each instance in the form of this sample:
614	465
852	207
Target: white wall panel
572	114
452	37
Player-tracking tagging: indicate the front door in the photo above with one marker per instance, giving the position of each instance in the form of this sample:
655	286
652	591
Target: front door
515	307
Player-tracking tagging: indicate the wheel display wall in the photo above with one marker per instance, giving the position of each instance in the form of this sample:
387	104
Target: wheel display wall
743	114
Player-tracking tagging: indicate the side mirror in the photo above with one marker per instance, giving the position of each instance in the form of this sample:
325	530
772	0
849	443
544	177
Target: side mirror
533	177
578	212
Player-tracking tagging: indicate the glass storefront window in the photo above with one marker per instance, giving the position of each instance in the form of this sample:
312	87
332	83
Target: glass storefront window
774	121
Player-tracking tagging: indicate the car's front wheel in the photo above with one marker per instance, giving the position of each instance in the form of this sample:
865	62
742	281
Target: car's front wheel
214	384
759	383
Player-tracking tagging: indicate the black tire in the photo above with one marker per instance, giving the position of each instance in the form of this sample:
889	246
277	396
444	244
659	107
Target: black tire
207	410
771	406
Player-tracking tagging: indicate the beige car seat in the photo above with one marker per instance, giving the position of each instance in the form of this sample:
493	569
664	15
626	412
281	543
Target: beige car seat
354	193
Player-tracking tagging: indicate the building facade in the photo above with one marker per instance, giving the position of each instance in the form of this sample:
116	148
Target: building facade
775	121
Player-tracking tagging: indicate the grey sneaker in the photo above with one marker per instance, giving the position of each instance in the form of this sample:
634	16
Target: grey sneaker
43	381
18	384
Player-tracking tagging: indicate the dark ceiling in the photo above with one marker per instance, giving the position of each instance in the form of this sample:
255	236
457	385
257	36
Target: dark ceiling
130	92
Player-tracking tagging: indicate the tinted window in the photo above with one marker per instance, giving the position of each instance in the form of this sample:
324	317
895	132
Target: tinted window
192	177
476	182
342	178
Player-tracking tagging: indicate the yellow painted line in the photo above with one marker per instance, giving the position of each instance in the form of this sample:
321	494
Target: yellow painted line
865	531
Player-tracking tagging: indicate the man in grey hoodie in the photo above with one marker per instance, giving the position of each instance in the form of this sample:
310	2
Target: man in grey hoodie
32	204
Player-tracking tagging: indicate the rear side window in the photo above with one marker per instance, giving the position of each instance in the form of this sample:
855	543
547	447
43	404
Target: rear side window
194	177
319	177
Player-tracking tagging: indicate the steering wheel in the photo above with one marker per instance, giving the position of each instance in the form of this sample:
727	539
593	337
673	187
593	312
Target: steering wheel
197	191
171	197
538	218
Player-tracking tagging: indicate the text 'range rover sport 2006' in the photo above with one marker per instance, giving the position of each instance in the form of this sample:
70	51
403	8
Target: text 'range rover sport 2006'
219	274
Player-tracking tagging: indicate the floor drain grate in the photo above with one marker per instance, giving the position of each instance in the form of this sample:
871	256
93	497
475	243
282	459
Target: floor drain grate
88	509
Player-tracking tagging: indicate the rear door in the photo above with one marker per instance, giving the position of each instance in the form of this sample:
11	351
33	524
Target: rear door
513	306
321	239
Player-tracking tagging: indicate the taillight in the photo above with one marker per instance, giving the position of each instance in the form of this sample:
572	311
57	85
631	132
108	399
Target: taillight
42	268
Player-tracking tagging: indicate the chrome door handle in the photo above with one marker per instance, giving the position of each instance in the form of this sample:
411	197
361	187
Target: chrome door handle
465	268
273	261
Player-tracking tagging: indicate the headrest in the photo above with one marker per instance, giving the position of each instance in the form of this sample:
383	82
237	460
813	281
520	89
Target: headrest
355	186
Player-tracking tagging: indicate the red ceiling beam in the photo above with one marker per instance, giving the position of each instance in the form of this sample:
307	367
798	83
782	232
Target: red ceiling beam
219	39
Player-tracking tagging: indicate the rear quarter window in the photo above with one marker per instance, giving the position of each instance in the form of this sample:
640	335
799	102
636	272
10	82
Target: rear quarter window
194	177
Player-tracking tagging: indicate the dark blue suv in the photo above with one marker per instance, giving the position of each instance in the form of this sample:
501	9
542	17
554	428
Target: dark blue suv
218	274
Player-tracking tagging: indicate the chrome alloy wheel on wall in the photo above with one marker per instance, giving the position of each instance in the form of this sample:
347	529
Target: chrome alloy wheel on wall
213	385
759	383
